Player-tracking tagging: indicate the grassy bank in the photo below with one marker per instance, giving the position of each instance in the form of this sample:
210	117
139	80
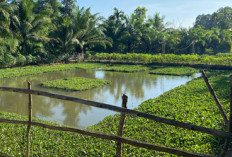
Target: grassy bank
171	59
179	71
191	103
75	84
126	68
34	70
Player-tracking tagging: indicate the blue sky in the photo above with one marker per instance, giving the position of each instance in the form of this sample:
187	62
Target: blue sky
180	13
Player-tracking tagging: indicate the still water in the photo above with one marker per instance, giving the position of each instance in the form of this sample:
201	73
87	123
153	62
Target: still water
137	86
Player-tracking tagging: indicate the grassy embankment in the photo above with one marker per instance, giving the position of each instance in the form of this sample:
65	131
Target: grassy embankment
126	68
180	71
219	60
75	84
191	103
35	70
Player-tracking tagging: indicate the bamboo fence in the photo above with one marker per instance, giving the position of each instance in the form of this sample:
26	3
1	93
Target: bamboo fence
119	139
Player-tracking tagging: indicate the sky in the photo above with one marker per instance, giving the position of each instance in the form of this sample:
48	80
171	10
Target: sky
178	13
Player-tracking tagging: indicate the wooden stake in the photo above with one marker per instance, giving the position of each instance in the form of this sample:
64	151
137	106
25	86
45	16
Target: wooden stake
29	119
120	127
215	98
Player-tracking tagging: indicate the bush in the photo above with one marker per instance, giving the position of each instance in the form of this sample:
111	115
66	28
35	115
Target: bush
34	59
29	59
87	55
20	60
9	60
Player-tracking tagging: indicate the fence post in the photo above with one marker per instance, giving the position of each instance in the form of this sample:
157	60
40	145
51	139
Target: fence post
120	127
29	118
215	98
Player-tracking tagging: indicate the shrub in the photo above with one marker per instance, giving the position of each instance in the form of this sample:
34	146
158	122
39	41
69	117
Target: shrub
20	60
9	60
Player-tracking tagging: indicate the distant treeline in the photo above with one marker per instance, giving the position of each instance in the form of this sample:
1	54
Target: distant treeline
45	31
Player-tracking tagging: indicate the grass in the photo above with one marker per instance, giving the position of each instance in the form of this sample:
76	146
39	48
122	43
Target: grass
126	68
75	83
180	71
194	59
34	70
190	103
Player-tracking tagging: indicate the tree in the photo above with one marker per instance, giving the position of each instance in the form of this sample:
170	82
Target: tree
205	21
67	7
61	38
225	45
87	31
27	27
135	27
6	10
197	38
158	22
114	28
222	19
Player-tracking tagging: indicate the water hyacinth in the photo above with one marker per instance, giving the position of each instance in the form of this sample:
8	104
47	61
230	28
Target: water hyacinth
75	83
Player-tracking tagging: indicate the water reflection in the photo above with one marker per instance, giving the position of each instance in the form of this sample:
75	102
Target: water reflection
137	86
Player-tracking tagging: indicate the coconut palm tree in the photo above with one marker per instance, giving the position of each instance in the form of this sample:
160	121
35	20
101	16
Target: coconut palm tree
6	10
87	31
114	28
62	37
27	27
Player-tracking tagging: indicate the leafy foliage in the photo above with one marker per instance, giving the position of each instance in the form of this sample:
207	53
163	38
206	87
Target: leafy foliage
175	71
35	70
126	68
76	84
217	60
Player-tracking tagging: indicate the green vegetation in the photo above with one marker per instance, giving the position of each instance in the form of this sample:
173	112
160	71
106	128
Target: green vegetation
218	60
190	103
47	31
126	68
174	71
34	70
76	84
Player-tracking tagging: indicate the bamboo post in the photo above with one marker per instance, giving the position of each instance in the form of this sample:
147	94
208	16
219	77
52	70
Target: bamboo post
120	127
29	118
215	98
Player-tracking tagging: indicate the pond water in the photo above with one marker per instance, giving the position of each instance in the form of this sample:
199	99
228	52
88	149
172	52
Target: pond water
137	86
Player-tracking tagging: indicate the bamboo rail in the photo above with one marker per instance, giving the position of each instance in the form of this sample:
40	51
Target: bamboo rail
215	98
188	126
109	137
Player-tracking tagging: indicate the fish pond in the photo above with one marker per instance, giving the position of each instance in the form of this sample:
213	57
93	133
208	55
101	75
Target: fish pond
139	86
